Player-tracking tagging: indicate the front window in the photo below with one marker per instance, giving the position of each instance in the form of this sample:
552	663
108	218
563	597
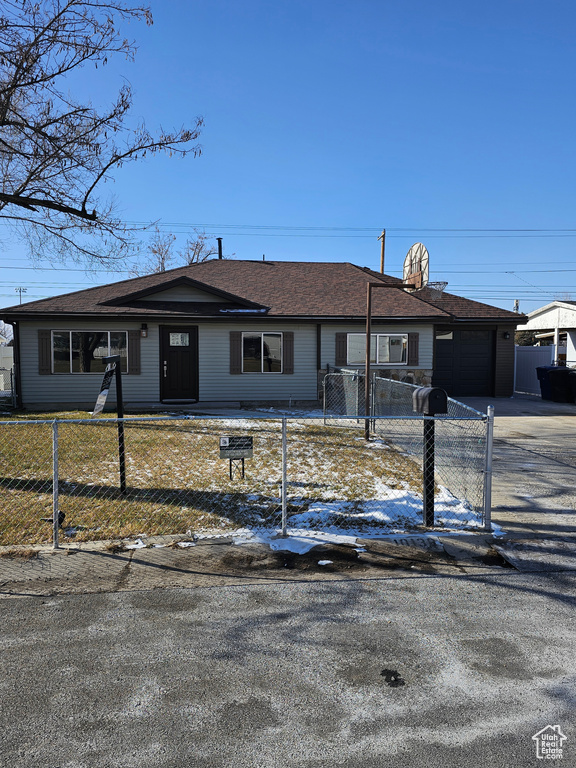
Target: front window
261	353
385	348
83	351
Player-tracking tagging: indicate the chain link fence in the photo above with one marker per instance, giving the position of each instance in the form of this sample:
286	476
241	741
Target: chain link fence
454	449
64	480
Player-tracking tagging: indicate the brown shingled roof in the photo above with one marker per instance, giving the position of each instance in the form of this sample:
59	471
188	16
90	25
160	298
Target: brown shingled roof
285	289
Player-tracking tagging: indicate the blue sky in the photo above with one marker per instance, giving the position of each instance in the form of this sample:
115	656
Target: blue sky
328	121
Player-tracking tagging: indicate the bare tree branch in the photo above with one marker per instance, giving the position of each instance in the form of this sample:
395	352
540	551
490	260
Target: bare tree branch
161	252
55	151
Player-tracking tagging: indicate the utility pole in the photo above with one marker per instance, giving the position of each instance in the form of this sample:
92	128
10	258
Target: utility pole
367	368
383	239
516	305
20	291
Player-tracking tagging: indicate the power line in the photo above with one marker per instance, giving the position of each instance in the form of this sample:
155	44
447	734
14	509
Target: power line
349	229
388	271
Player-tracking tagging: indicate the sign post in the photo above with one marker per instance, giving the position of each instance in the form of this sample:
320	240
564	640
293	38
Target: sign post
113	370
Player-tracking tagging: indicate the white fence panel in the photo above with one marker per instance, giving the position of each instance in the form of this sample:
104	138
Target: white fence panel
6	357
527	359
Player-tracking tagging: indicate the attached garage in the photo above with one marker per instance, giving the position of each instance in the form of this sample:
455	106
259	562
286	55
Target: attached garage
474	361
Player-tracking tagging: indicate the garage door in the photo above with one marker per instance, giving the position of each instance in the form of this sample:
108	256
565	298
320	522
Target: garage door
464	362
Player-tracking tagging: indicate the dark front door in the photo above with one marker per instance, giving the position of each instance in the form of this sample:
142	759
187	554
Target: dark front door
464	361
179	362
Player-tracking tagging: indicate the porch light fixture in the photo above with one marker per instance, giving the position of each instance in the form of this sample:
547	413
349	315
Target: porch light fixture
506	335
144	330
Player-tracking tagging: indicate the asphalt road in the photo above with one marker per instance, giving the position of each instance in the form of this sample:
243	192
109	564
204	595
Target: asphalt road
420	671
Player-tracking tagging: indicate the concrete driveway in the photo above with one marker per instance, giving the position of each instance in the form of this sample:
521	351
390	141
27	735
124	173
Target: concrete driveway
435	663
534	487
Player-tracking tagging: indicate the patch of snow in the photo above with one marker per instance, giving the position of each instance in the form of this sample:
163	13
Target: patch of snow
240	311
325	562
297	541
138	544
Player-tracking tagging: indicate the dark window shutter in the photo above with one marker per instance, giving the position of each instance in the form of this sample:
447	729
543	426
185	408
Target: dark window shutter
413	339
288	352
44	352
235	352
341	349
134	352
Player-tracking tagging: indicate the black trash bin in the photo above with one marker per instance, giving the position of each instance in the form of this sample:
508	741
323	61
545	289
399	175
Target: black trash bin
542	372
559	379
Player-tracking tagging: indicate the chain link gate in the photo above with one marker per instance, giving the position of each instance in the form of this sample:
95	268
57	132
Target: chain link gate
462	443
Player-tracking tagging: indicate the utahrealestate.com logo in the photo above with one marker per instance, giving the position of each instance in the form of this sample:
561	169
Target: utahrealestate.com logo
549	743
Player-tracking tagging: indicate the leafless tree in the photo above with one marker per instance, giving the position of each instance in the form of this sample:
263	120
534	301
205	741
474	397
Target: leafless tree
160	252
198	249
6	331
56	151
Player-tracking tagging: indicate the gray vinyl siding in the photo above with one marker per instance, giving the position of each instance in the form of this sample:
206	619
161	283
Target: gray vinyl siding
83	388
217	383
425	347
504	362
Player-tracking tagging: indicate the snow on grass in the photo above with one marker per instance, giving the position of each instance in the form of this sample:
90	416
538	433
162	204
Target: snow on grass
177	482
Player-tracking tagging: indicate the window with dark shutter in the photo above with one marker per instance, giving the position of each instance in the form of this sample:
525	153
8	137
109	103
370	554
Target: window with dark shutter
288	352
413	343
73	352
44	352
235	352
341	349
134	352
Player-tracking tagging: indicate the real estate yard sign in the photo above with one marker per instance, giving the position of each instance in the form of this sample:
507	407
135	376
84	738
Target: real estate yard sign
104	389
236	447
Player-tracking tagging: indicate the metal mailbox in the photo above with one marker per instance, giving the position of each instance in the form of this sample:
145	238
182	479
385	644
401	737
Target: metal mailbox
429	401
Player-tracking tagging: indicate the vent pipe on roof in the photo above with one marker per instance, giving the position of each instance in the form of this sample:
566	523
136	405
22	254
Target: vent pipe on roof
219	247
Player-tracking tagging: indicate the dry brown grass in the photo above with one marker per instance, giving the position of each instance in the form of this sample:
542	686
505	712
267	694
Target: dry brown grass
176	479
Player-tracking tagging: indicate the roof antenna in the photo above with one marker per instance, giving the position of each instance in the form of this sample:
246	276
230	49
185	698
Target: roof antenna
219	247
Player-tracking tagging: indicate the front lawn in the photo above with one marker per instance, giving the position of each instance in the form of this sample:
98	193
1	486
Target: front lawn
177	483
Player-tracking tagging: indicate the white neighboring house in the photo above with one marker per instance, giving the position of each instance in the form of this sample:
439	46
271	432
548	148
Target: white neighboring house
557	323
6	357
6	365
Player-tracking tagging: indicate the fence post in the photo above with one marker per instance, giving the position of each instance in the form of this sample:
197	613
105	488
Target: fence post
55	504
488	470
428	461
284	474
13	387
